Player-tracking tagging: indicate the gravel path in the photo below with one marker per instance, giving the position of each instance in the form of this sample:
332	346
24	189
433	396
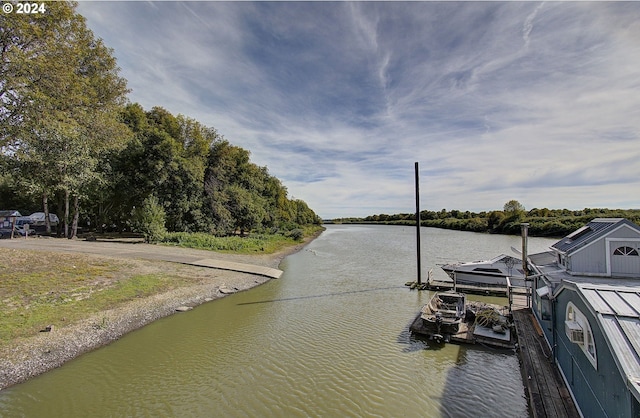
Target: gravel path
28	357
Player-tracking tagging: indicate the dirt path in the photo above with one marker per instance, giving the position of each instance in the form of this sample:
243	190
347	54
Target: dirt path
140	250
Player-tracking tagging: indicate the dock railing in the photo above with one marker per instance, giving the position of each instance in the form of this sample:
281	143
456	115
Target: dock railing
519	297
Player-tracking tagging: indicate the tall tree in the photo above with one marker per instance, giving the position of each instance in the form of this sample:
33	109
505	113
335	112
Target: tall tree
60	96
513	209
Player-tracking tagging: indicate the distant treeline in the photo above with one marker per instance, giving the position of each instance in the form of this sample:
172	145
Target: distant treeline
542	222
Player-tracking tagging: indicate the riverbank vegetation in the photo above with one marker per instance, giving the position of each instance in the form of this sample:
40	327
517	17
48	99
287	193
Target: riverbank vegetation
542	222
255	243
71	144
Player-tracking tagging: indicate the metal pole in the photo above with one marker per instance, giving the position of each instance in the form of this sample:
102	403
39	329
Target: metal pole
418	223
524	229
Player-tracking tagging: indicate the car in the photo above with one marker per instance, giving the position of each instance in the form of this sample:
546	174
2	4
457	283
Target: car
38	219
24	231
17	232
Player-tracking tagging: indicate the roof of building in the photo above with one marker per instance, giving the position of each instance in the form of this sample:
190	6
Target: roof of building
4	213
616	307
588	233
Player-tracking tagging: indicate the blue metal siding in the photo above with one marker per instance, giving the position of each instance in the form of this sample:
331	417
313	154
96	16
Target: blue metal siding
600	392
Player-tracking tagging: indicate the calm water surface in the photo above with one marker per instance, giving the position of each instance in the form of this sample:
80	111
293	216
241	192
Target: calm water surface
328	339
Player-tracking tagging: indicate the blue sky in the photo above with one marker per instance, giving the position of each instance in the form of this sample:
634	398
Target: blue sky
533	101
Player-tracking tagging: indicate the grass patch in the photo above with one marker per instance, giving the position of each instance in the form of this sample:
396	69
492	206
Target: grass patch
38	289
251	244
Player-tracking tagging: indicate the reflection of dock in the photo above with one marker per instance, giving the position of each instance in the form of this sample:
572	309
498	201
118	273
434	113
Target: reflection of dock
546	390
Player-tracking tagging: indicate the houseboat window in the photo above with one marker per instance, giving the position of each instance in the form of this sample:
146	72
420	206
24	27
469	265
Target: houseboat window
625	251
578	331
546	309
487	270
591	348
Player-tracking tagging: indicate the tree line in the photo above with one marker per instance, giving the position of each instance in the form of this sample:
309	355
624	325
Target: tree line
542	222
72	144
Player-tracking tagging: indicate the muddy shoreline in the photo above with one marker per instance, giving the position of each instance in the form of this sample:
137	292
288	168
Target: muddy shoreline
26	358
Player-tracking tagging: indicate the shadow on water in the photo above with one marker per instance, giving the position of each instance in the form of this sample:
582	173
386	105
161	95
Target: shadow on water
413	342
467	391
349	292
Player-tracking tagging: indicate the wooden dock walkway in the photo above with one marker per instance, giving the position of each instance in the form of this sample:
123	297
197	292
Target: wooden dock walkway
546	390
473	289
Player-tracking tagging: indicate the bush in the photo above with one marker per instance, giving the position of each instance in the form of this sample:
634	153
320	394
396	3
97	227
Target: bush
149	220
296	234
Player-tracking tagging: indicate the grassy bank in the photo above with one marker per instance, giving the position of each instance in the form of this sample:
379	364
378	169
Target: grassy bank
252	244
38	289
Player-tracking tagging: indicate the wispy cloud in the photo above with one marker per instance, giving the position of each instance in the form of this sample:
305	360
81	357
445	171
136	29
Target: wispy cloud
502	100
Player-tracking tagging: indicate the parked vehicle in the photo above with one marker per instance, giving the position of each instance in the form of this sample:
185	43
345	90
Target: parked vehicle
17	232
38	219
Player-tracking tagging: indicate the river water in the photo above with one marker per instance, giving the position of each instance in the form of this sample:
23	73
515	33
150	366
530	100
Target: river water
328	339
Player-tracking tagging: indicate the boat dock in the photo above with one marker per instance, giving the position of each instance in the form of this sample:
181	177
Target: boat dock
472	332
545	388
472	289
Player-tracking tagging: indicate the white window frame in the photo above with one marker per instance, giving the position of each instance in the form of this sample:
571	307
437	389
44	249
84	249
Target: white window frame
588	345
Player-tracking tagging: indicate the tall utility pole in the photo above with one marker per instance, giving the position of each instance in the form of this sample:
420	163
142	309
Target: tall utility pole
524	231
418	223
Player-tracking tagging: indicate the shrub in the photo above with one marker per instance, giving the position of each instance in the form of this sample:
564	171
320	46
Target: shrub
296	234
149	220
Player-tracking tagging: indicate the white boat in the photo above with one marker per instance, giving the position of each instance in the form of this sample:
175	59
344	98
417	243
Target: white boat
488	272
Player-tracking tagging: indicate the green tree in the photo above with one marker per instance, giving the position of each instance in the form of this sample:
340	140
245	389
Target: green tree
245	208
149	220
60	93
514	210
495	219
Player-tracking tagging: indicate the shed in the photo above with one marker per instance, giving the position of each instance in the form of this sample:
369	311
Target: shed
7	218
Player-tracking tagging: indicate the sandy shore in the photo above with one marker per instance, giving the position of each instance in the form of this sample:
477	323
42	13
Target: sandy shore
25	358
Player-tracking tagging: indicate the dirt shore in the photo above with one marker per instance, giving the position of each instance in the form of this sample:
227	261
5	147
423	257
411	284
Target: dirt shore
25	358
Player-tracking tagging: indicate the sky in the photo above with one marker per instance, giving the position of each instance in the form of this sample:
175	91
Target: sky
533	101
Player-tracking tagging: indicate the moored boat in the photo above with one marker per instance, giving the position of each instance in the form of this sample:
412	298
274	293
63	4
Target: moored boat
441	317
488	272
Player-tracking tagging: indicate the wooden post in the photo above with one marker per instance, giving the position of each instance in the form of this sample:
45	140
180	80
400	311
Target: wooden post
418	223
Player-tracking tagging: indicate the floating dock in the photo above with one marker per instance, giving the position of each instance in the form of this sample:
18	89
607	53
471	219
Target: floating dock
472	332
472	289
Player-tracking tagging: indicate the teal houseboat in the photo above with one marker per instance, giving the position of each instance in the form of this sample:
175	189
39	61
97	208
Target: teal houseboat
587	301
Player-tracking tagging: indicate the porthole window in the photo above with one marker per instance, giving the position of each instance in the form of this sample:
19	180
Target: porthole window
625	251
